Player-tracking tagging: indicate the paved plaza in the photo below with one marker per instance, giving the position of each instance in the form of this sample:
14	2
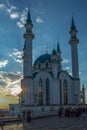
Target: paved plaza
56	123
50	123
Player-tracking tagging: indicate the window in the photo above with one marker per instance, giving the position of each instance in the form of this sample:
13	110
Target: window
65	92
47	65
39	65
47	92
40	92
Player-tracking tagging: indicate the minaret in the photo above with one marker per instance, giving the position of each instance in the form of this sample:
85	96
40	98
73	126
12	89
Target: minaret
59	59
54	64
28	36
26	82
74	50
75	67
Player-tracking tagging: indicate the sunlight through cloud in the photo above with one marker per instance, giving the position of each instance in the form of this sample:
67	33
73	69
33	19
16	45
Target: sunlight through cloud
3	63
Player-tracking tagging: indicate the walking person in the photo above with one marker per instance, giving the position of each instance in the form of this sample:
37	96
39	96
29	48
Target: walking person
29	116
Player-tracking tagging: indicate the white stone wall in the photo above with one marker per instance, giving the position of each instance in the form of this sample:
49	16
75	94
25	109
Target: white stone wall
28	58
44	76
65	76
27	91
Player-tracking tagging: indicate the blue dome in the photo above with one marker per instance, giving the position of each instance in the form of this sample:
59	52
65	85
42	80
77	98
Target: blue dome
43	58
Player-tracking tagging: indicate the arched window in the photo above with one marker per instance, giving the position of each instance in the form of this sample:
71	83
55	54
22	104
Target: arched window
39	65
47	64
65	92
40	92
47	92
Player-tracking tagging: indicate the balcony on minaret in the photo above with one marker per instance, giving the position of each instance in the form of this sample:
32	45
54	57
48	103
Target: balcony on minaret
29	35
73	32
73	41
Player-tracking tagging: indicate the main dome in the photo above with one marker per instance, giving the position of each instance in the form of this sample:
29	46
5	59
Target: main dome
43	58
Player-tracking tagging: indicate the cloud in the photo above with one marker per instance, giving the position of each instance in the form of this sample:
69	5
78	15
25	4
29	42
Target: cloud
16	55
11	10
39	20
2	6
20	25
65	61
22	19
14	13
3	63
67	68
10	82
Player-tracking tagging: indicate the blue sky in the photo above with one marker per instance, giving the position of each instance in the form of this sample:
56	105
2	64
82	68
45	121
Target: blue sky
52	22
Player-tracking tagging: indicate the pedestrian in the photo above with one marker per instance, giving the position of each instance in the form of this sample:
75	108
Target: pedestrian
29	116
2	125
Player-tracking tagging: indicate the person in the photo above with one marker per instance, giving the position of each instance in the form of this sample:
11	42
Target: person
29	116
2	125
83	114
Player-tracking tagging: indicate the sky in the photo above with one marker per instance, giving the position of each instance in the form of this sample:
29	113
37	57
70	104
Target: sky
52	22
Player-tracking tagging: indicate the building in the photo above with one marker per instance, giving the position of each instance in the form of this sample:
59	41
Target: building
14	109
4	113
45	83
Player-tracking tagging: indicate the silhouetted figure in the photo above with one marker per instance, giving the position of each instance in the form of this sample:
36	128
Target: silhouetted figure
60	111
29	116
24	115
2	125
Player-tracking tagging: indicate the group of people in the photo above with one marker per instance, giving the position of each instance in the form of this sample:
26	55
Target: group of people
72	112
27	116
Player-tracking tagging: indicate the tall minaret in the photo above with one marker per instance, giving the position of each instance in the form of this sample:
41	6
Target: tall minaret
59	59
26	82
54	63
75	67
28	36
74	50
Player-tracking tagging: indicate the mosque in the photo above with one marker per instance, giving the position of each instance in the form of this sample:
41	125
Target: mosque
45	83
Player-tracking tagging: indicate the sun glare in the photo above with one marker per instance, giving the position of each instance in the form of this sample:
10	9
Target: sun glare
15	91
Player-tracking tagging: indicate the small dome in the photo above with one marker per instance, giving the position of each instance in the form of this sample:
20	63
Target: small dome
43	58
54	52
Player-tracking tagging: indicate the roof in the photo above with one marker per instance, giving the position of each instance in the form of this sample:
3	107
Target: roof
43	58
54	52
29	18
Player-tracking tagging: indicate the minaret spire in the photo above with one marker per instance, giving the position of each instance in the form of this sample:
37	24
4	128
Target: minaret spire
29	17
58	48
59	59
73	24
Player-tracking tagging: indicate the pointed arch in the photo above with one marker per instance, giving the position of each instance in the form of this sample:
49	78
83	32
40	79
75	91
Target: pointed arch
65	92
40	92
47	65
39	65
47	92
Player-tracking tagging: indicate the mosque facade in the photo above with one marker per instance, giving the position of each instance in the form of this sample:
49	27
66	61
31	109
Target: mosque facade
44	82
